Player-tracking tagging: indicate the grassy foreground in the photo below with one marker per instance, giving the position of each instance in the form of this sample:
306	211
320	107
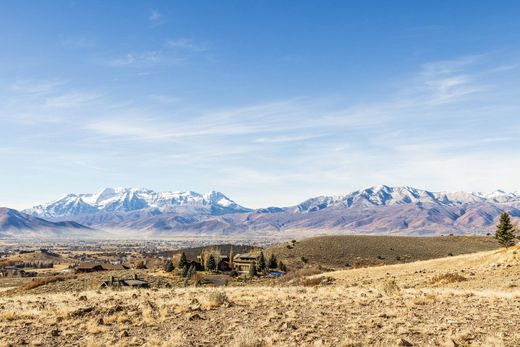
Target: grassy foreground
467	300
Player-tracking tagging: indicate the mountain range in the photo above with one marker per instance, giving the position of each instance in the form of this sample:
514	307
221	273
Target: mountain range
378	209
12	222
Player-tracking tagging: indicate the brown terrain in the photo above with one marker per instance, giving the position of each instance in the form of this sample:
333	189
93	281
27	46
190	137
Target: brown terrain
346	251
461	300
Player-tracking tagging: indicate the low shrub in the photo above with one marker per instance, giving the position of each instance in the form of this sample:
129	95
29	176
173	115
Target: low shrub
41	281
391	288
448	278
217	299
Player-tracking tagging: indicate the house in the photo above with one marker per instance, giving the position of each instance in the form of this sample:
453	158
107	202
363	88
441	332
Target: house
242	262
94	267
89	267
134	282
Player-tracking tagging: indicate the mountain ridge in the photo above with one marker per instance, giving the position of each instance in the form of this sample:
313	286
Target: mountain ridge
378	209
13	222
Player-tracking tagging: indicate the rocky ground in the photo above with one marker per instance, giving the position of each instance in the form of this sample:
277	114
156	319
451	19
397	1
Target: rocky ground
470	300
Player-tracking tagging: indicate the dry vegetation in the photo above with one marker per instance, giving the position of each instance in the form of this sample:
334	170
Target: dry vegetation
350	251
469	300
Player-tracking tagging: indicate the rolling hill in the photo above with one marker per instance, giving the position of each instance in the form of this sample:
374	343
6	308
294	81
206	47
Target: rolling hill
17	224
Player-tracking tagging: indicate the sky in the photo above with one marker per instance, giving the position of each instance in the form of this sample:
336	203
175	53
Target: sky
270	102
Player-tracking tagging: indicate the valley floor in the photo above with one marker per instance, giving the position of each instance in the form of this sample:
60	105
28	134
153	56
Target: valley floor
468	300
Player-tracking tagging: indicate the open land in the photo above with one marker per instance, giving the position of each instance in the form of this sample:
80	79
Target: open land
454	300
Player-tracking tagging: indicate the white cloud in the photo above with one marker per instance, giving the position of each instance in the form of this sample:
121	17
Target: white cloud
36	86
79	42
72	99
144	59
156	18
186	43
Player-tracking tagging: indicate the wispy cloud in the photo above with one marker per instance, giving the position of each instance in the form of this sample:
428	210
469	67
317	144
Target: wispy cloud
79	42
36	86
167	99
420	133
187	44
145	59
156	18
72	99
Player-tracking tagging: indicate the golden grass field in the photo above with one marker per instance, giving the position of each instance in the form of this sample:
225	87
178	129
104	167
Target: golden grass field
467	300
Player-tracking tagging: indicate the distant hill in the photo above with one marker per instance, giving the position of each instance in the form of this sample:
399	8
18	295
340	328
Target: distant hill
17	224
375	210
349	251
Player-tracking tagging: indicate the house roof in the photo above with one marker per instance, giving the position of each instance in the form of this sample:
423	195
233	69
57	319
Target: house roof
88	265
104	266
246	257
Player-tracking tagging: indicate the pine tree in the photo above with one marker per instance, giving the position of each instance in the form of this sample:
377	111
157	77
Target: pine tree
212	265
183	260
252	269
505	230
282	266
168	267
272	262
185	270
231	255
191	271
261	263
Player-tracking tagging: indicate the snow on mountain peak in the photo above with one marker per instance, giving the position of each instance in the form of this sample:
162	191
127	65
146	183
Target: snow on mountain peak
123	200
383	195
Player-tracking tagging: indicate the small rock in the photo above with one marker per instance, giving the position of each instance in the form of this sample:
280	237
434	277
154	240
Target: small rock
55	332
195	316
124	333
405	343
82	298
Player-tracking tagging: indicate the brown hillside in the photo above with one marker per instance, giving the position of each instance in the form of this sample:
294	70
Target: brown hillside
346	251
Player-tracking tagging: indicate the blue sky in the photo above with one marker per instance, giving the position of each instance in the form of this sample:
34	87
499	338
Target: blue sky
270	102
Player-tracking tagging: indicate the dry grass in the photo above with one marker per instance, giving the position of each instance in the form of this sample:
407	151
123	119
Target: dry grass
369	307
448	278
348	251
301	276
391	288
41	281
217	299
248	338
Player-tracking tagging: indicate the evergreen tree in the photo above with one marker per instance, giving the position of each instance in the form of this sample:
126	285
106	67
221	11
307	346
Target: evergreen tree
252	269
261	263
282	266
212	265
231	255
168	267
183	260
191	271
184	271
505	230
272	262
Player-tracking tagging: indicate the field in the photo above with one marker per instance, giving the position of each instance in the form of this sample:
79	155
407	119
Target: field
346	251
465	300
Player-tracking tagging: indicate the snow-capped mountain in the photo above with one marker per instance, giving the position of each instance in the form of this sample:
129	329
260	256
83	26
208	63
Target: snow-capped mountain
378	209
125	200
387	196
